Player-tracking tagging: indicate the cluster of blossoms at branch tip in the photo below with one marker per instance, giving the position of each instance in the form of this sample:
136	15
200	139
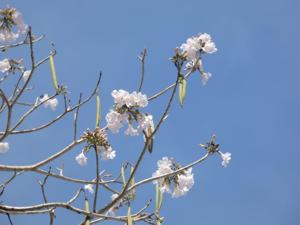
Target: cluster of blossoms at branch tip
48	102
183	181
193	48
195	45
98	140
10	18
4	147
213	147
126	111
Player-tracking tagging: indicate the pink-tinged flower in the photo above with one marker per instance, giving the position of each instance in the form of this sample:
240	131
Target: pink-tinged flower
5	65
81	159
4	147
226	157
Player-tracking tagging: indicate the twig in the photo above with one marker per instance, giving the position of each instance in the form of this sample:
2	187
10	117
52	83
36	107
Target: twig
43	162
97	179
42	184
10	221
25	41
142	58
76	117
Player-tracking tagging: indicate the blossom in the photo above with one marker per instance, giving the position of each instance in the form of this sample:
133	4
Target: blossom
183	180
90	188
198	43
81	159
4	147
205	77
145	123
183	183
164	167
108	153
61	171
11	17
18	19
52	103
131	131
25	75
5	65
134	99
125	112
8	35
226	157
114	120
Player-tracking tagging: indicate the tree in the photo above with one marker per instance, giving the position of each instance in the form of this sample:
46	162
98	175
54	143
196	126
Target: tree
129	110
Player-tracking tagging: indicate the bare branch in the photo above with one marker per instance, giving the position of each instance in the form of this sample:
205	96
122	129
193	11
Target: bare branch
142	58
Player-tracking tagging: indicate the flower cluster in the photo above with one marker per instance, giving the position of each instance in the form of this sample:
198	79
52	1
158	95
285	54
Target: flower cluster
193	48
4	147
126	111
98	140
133	99
198	44
10	18
81	159
183	181
49	102
213	147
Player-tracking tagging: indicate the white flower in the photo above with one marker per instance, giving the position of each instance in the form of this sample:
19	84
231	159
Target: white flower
164	167
26	75
6	33
90	188
205	77
131	131
52	103
61	171
207	44
4	65
134	99
184	183
145	122
120	97
210	47
191	47
138	99
114	120
226	157
194	44
4	147
108	153
81	159
17	17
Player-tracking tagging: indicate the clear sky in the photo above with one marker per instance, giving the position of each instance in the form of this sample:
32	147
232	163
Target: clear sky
251	102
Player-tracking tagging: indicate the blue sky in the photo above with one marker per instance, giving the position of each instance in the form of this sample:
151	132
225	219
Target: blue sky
251	102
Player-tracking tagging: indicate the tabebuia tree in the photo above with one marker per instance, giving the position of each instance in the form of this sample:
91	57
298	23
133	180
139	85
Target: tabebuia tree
127	116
